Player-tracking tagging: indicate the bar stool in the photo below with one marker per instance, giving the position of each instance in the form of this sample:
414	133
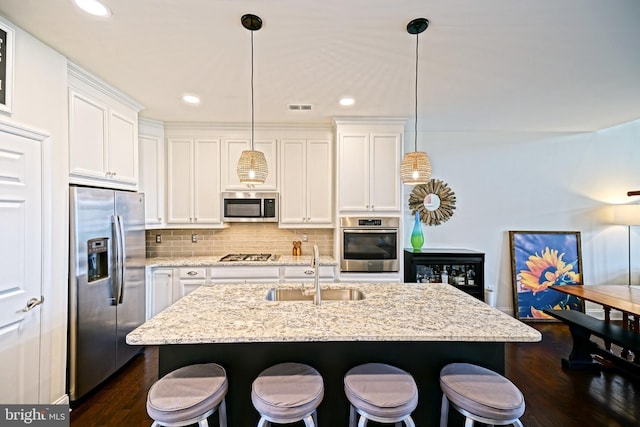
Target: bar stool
286	393
188	395
381	393
480	395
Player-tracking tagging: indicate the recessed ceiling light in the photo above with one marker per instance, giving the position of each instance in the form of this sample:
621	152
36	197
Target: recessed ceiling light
94	7
191	99
347	101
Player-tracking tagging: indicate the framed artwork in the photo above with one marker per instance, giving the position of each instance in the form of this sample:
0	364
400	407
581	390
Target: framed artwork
6	67
541	260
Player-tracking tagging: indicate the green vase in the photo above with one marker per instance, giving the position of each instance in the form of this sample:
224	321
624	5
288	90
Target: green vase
417	238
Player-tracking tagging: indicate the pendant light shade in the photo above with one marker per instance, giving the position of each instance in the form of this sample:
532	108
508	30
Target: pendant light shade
416	167
252	166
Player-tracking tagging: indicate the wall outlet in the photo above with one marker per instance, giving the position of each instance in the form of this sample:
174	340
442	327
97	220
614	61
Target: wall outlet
194	238
158	238
305	237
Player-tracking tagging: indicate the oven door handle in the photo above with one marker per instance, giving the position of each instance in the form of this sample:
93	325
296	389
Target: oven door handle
369	230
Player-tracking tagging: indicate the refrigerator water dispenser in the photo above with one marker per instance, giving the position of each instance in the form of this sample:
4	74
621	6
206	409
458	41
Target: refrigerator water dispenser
98	261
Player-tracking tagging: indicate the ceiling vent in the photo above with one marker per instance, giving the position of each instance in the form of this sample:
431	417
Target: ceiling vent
299	107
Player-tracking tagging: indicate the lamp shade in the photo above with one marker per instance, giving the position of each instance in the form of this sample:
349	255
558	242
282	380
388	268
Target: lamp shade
252	167
626	214
415	168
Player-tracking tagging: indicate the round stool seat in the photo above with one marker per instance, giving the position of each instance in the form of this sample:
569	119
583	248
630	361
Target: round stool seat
381	390
287	391
187	393
481	392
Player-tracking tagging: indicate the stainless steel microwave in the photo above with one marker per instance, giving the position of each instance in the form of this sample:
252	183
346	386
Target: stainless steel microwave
249	206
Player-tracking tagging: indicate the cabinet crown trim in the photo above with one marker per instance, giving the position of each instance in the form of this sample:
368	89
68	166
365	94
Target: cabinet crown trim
77	72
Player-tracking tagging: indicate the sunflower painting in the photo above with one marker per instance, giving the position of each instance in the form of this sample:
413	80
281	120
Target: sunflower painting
541	260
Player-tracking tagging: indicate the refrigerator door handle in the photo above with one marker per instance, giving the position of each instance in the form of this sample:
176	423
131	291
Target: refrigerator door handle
122	256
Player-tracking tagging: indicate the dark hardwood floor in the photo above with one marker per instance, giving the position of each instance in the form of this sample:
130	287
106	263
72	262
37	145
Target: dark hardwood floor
554	397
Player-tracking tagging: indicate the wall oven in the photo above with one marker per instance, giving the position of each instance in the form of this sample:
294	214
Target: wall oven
369	244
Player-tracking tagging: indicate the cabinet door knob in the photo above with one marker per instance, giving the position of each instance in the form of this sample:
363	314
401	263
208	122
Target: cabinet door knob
192	273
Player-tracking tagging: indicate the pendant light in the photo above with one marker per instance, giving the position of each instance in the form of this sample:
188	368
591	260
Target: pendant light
416	166
252	166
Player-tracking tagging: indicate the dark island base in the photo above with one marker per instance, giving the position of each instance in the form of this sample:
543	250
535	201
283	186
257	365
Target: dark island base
244	361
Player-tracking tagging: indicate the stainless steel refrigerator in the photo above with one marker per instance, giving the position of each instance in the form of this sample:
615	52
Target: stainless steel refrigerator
106	283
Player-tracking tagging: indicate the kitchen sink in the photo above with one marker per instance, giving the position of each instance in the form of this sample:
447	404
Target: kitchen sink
326	294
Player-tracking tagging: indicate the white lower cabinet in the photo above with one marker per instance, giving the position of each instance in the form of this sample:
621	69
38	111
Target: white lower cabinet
189	279
159	290
244	274
300	273
166	285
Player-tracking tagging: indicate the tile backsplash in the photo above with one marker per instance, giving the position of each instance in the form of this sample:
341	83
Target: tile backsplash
238	237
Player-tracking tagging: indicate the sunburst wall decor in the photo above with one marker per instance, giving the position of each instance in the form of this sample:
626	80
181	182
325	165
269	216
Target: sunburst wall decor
437	209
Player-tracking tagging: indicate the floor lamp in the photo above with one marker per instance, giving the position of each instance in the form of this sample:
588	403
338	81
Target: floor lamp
627	215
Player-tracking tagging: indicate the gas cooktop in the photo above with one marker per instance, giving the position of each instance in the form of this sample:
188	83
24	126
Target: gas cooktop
247	257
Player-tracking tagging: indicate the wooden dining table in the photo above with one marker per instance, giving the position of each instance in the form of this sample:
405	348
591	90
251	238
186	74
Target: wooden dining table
619	297
623	298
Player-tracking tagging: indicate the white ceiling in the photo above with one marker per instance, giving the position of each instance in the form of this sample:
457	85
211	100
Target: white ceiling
533	65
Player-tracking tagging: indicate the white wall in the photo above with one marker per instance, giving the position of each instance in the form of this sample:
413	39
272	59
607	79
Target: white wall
40	103
529	181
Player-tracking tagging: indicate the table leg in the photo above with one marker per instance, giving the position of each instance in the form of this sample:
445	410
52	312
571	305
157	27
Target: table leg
625	324
636	325
607	318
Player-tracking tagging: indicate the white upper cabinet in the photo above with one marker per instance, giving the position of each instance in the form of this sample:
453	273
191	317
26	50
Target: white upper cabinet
103	133
369	166
231	150
152	174
193	182
306	183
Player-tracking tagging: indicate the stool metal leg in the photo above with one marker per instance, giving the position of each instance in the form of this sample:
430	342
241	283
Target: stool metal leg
203	423
222	413
363	421
352	416
263	422
409	422
308	421
444	411
468	422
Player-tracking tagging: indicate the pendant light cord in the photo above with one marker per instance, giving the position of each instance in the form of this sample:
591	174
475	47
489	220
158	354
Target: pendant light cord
415	131
252	112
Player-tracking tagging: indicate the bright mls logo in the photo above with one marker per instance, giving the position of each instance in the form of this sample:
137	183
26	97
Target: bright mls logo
34	415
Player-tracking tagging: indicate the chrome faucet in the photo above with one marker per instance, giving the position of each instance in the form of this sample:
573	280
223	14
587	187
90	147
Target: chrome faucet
315	264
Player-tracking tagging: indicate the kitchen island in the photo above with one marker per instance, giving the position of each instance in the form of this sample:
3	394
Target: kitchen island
417	327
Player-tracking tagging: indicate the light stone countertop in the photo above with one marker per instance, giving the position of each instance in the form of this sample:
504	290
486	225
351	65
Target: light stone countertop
214	260
237	313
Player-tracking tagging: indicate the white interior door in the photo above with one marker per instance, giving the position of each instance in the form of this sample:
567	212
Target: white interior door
20	267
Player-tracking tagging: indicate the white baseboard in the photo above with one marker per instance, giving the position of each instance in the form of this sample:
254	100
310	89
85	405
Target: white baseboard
62	400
